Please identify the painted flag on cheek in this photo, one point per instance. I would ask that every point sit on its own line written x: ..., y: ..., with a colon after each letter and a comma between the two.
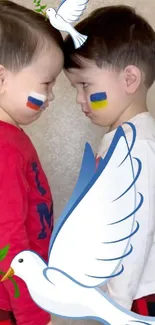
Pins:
x: 35, y: 101
x: 98, y: 100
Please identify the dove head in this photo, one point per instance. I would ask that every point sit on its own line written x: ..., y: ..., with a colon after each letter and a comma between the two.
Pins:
x: 50, y: 13
x: 25, y: 265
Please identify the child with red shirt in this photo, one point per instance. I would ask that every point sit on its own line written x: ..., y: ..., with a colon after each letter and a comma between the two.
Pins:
x: 28, y: 70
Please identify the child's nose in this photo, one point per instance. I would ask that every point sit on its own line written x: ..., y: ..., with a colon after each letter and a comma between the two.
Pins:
x: 80, y: 98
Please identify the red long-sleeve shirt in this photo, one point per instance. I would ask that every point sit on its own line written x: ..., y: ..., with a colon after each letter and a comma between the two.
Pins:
x: 26, y: 217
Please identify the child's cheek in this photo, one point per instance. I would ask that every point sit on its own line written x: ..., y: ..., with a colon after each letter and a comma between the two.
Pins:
x: 36, y: 101
x: 98, y: 101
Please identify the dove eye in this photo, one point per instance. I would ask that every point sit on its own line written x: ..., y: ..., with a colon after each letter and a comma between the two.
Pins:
x: 21, y: 260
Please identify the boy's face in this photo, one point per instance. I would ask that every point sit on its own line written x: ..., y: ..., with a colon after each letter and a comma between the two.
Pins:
x: 100, y: 92
x: 26, y: 94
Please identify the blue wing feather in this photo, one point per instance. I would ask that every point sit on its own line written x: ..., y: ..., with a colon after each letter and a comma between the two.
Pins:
x: 87, y: 171
x: 90, y: 177
x: 61, y: 3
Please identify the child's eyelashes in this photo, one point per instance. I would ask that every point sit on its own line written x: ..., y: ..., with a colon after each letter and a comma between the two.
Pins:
x: 48, y: 83
x: 85, y: 85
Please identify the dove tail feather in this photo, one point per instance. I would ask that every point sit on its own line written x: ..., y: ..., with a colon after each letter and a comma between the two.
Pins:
x: 78, y: 39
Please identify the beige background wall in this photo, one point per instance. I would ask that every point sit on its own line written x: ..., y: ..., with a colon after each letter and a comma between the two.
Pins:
x: 61, y: 133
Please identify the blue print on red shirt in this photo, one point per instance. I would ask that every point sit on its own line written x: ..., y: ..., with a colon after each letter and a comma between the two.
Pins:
x: 45, y: 218
x: 39, y: 187
x: 45, y: 214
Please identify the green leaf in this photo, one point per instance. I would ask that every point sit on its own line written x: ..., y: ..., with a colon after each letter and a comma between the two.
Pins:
x: 3, y: 252
x: 38, y: 10
x: 37, y: 5
x: 34, y: 1
x: 17, y: 293
x: 43, y: 7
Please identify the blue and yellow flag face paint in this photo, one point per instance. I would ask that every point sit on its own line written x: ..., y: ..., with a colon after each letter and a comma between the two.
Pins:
x: 98, y: 100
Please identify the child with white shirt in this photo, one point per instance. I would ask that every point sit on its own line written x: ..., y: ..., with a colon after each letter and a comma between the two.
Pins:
x: 112, y: 72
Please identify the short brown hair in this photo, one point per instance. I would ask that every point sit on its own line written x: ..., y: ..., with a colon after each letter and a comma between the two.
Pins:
x: 117, y: 36
x: 23, y: 32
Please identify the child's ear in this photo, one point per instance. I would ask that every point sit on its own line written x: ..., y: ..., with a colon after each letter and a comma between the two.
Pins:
x: 2, y: 79
x: 132, y: 78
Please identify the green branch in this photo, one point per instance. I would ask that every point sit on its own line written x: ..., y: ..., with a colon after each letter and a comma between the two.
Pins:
x: 39, y: 7
x: 17, y: 294
x: 3, y: 254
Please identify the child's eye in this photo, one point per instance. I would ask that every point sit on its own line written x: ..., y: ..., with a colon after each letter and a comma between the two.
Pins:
x: 85, y: 85
x: 47, y: 83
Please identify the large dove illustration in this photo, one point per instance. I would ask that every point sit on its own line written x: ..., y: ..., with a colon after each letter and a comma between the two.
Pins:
x: 90, y: 241
x: 68, y: 12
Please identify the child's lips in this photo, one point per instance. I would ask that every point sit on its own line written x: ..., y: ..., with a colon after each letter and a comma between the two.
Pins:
x: 45, y: 105
x: 88, y: 114
x: 86, y: 111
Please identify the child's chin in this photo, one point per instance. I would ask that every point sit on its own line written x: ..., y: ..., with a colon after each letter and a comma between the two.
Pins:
x: 30, y: 119
x: 36, y: 116
x: 97, y: 121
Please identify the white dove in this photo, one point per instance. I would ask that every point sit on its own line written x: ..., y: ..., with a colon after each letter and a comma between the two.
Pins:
x: 89, y: 241
x: 68, y: 12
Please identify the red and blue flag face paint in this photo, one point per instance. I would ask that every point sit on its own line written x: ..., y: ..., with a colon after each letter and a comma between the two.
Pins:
x: 36, y: 101
x: 98, y: 100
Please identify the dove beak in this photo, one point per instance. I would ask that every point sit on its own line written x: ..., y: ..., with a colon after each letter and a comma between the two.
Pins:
x: 8, y: 274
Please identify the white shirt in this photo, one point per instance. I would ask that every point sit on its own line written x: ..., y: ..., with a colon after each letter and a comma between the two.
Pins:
x: 138, y: 278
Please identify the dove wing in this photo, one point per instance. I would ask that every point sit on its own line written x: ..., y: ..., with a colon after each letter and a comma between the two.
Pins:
x: 71, y: 10
x: 93, y: 235
x: 87, y: 171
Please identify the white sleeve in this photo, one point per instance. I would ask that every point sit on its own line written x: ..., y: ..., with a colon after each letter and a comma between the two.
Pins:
x: 123, y: 288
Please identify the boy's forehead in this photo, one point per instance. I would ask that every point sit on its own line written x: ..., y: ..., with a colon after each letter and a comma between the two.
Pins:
x: 52, y: 56
x: 92, y: 72
x: 79, y: 73
x: 46, y: 62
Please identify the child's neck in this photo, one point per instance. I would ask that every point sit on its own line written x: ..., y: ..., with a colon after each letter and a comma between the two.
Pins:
x: 7, y: 118
x: 129, y: 113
